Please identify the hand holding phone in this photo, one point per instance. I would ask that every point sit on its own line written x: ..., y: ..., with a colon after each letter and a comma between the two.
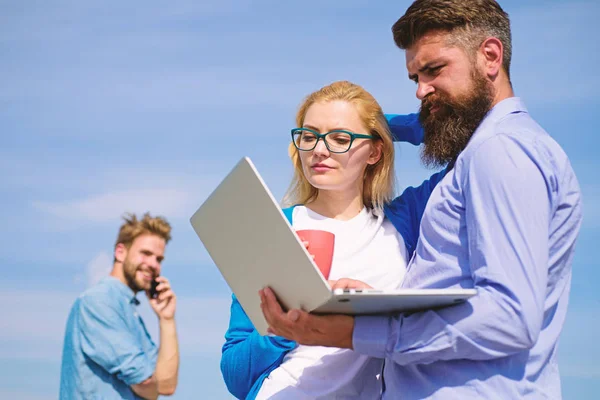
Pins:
x: 164, y: 298
x: 153, y: 291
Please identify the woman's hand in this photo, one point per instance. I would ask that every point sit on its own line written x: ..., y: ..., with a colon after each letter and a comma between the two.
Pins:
x: 347, y: 283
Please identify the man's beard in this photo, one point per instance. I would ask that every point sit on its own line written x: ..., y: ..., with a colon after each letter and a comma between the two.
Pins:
x: 448, y: 130
x: 130, y: 270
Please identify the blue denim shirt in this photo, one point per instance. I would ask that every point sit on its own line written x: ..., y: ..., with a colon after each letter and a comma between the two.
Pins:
x: 107, y: 347
x: 504, y: 221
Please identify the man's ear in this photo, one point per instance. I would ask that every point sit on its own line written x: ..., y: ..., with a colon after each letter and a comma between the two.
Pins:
x: 492, y: 52
x: 376, y: 152
x: 120, y: 252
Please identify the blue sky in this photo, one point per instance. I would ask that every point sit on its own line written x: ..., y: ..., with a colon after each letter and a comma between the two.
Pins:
x: 107, y: 107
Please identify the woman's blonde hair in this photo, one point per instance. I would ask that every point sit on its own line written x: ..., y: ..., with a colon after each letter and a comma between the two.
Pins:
x: 379, y: 179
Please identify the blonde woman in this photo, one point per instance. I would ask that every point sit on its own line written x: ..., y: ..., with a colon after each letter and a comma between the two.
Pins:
x: 343, y: 156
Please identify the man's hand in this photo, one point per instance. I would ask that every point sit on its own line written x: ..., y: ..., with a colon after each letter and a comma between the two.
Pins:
x: 304, y: 328
x: 346, y: 283
x: 164, y: 304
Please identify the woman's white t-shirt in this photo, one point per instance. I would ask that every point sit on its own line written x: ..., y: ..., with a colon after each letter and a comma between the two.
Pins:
x: 367, y: 248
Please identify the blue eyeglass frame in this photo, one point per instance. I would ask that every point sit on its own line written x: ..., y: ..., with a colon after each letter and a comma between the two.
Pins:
x: 320, y: 136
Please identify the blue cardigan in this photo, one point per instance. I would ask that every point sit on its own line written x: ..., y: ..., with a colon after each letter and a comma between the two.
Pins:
x: 247, y: 357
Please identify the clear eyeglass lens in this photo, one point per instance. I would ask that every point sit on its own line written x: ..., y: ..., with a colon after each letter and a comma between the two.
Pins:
x: 336, y: 141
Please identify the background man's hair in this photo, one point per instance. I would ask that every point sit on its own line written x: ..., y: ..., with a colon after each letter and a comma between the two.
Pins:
x: 469, y: 21
x: 134, y: 227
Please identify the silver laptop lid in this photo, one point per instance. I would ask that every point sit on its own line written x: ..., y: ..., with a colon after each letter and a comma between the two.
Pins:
x: 250, y: 240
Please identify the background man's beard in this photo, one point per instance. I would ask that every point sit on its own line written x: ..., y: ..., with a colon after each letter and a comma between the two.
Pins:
x: 449, y: 129
x: 130, y: 271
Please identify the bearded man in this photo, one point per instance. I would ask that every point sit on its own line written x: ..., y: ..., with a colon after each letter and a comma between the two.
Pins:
x: 503, y: 219
x: 107, y: 353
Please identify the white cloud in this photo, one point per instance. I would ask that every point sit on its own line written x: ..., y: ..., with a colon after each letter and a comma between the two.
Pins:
x: 98, y: 268
x: 35, y: 315
x: 175, y: 197
x: 103, y: 200
x: 174, y: 203
x: 174, y: 191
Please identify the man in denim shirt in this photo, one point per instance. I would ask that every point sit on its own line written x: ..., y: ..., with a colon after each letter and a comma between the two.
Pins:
x: 108, y: 353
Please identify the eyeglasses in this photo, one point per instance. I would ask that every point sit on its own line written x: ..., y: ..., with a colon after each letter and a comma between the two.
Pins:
x: 338, y: 141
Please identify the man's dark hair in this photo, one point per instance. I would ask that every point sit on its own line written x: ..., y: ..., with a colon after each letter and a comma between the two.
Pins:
x: 469, y: 21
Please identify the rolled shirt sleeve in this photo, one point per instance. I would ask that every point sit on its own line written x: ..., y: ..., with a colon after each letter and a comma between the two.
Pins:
x: 107, y: 340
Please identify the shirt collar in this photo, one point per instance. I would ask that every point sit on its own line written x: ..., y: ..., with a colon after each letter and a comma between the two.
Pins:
x: 507, y: 106
x: 511, y: 105
x: 123, y: 289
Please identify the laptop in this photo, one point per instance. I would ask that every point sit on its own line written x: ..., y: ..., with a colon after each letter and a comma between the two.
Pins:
x: 252, y: 243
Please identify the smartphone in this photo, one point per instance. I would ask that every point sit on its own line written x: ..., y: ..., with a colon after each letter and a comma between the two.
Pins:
x: 153, y: 291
